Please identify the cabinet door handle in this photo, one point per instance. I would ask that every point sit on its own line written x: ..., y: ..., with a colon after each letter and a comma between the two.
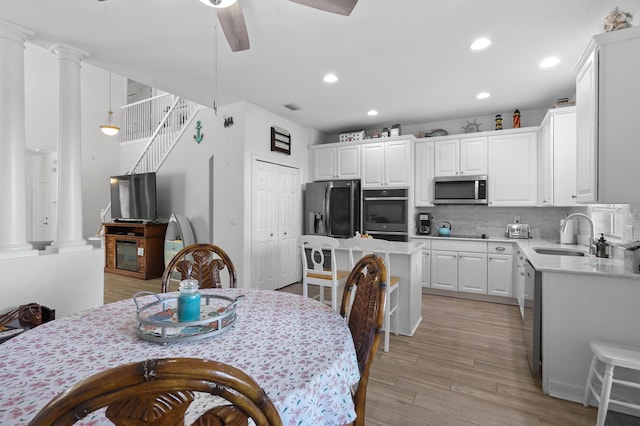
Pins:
x: 500, y: 249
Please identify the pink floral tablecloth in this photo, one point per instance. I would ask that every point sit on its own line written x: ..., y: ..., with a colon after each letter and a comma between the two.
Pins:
x: 298, y: 350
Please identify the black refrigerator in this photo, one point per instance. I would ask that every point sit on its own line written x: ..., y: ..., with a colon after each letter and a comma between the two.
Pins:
x: 332, y: 208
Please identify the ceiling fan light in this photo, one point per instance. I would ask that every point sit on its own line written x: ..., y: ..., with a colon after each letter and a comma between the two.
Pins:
x: 218, y: 3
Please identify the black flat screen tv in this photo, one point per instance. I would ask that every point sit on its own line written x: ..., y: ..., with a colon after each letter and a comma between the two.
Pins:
x: 133, y: 197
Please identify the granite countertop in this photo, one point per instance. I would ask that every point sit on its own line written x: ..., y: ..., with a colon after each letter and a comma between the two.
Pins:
x: 400, y: 247
x: 587, y: 265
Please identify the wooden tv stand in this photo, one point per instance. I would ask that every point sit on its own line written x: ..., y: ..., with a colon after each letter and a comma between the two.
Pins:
x: 134, y: 249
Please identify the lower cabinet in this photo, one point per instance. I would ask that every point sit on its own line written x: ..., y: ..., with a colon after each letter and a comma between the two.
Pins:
x: 500, y: 275
x: 459, y: 265
x: 469, y: 266
x: 472, y: 272
x: 426, y: 268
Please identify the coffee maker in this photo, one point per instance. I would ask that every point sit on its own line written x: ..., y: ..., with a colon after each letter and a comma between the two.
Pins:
x: 424, y: 223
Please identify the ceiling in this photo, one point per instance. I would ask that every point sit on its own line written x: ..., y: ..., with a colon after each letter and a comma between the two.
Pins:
x: 408, y: 59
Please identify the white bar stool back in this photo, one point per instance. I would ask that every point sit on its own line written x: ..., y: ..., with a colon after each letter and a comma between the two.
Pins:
x: 612, y: 356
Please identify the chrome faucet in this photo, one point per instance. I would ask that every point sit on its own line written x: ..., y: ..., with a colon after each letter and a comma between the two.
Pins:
x: 592, y: 247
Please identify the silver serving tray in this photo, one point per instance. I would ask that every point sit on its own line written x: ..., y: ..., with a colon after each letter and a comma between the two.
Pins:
x: 158, y: 320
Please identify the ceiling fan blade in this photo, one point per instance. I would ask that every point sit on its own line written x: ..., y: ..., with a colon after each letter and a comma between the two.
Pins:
x: 234, y: 28
x: 341, y: 7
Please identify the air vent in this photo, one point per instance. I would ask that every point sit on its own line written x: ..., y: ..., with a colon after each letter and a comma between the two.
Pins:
x: 292, y: 107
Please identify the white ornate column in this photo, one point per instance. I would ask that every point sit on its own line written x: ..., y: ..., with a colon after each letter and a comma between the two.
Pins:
x: 13, y: 191
x: 69, y: 153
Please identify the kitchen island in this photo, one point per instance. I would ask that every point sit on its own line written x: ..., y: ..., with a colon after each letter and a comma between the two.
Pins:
x: 406, y: 264
x: 584, y: 298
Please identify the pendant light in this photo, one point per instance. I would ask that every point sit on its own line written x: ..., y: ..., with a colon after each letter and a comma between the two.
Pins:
x: 110, y: 128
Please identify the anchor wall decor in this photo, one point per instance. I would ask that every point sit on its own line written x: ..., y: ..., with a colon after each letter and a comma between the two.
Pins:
x: 198, y: 136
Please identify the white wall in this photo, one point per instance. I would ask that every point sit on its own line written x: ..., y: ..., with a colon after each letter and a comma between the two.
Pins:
x: 185, y: 185
x: 69, y: 282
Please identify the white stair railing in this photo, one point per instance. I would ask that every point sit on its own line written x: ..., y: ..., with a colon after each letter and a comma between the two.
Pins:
x: 170, y: 114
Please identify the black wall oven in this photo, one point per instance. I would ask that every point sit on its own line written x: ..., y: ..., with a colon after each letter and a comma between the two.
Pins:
x: 385, y: 214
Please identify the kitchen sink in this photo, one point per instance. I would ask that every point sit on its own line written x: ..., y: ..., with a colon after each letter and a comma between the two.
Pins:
x: 558, y: 251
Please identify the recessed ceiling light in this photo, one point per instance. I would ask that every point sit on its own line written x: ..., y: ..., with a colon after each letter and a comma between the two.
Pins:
x: 330, y: 78
x: 549, y: 62
x: 483, y: 95
x: 481, y: 43
x: 372, y: 112
x: 219, y: 3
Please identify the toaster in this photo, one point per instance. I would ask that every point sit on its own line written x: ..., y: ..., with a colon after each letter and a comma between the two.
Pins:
x: 518, y: 230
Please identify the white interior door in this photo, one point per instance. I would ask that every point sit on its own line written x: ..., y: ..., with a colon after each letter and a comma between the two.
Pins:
x: 289, y: 213
x: 42, y: 225
x: 276, y: 225
x: 265, y: 226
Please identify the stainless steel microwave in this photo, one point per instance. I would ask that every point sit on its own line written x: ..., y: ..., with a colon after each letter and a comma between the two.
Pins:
x: 460, y: 190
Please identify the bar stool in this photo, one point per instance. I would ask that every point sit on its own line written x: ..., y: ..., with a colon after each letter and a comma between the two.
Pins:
x: 611, y: 355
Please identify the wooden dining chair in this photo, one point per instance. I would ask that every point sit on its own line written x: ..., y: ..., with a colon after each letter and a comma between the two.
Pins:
x: 202, y: 262
x: 382, y: 248
x: 319, y: 270
x: 364, y: 313
x: 159, y: 391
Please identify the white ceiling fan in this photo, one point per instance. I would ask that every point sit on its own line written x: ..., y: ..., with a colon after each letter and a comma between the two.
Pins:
x: 235, y: 29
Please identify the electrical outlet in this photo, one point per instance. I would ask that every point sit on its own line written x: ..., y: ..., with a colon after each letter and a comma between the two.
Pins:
x: 516, y: 219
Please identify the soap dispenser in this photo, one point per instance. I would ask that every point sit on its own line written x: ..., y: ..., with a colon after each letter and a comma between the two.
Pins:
x: 602, y: 247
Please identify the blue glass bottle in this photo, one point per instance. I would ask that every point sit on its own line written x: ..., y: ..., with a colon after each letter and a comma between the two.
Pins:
x: 188, y: 301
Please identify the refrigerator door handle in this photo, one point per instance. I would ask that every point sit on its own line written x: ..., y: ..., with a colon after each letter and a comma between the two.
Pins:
x: 327, y: 209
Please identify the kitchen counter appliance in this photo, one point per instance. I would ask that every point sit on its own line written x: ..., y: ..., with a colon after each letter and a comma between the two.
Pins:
x: 424, y: 224
x: 518, y: 230
x: 385, y: 213
x: 460, y: 190
x: 332, y: 208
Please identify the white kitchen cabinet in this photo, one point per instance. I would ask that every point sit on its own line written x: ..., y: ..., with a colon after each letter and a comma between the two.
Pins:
x: 606, y: 114
x: 513, y: 169
x: 465, y: 156
x: 557, y: 158
x: 426, y: 268
x: 500, y: 269
x: 472, y: 272
x: 423, y: 181
x: 500, y: 275
x: 336, y: 162
x: 459, y: 265
x: 386, y: 164
x: 444, y: 270
x: 426, y: 260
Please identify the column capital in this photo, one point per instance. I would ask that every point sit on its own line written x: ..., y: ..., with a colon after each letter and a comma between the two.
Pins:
x: 14, y: 32
x: 68, y: 52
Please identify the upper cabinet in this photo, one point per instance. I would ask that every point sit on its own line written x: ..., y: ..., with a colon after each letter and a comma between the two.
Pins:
x: 606, y: 114
x: 557, y: 158
x: 465, y: 156
x: 330, y: 163
x: 386, y: 164
x: 513, y: 169
x: 423, y: 187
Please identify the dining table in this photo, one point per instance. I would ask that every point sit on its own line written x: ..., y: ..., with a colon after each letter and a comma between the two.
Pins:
x: 297, y: 349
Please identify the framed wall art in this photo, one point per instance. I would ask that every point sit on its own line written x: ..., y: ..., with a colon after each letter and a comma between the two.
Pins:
x: 280, y: 140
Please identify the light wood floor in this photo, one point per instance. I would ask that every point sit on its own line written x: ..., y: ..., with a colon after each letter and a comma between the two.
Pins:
x: 465, y: 365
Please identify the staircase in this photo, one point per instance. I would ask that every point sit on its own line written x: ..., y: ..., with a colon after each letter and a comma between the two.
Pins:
x: 163, y: 119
